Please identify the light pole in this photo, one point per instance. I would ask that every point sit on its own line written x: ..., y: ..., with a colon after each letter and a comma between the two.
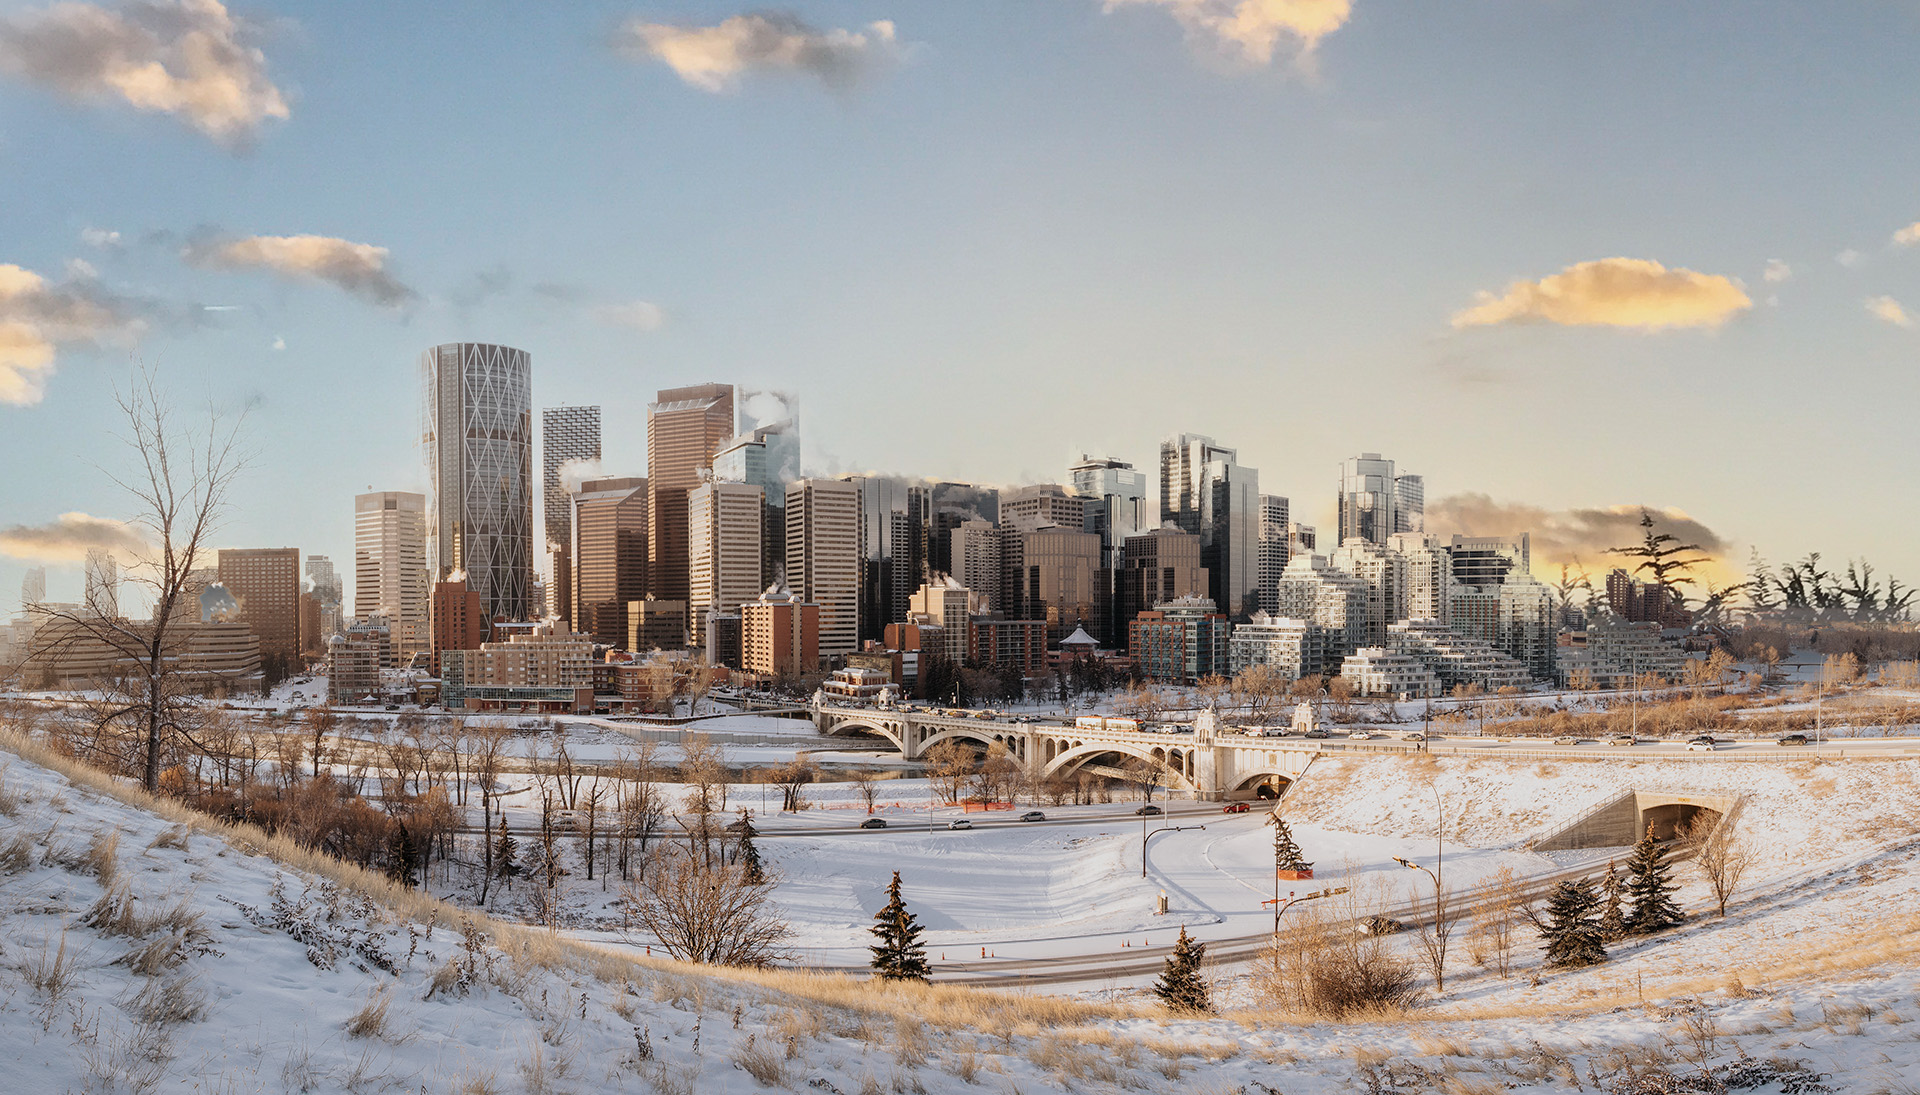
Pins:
x: 1280, y: 906
x: 1146, y: 836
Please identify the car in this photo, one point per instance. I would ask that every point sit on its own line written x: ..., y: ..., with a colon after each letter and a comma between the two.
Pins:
x: 1566, y: 740
x: 1235, y: 808
x: 960, y: 823
x: 1381, y: 925
x: 874, y: 823
x: 1033, y: 815
x: 1793, y: 739
x: 1149, y: 810
x: 1413, y: 735
x: 1622, y: 739
x: 1698, y: 745
x: 1316, y: 734
x: 1361, y: 735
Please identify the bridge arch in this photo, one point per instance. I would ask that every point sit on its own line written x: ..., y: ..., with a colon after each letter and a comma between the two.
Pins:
x: 983, y: 738
x: 847, y: 727
x: 1265, y: 783
x: 1179, y: 767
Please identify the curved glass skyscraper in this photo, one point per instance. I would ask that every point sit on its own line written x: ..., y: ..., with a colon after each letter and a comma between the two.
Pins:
x: 477, y: 437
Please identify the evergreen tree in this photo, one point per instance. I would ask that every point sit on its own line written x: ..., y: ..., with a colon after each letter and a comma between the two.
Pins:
x: 1649, y: 890
x: 401, y: 859
x: 1286, y: 854
x: 1572, y: 930
x: 1180, y: 986
x: 503, y: 852
x: 899, y: 955
x: 1613, y: 926
x: 748, y: 854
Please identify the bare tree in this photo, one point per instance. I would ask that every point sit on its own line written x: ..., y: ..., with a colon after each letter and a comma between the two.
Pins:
x: 319, y: 722
x: 1436, y: 916
x: 1719, y: 855
x: 1494, y: 924
x: 792, y: 778
x: 179, y: 487
x: 949, y: 765
x: 1145, y: 775
x: 713, y: 916
x: 867, y: 782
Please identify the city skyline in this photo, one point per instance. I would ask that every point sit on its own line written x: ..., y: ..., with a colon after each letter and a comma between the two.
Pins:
x: 1312, y: 224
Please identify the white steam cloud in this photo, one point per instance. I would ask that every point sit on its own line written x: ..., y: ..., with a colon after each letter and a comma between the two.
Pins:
x: 1254, y: 29
x: 713, y: 58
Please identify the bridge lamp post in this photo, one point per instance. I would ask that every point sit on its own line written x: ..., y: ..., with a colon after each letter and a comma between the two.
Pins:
x: 1146, y: 836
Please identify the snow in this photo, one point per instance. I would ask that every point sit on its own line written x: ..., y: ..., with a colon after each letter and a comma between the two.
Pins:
x: 280, y: 982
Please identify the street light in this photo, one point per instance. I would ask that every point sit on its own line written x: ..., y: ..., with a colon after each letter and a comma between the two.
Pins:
x: 1146, y: 836
x: 1280, y: 906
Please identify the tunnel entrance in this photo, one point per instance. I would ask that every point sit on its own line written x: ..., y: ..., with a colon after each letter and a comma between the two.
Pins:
x: 1671, y: 819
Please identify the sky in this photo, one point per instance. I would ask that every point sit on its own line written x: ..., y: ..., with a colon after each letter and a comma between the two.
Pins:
x: 1564, y: 258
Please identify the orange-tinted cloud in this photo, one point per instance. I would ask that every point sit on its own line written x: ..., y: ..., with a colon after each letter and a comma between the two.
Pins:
x: 1583, y: 535
x: 1613, y: 292
x: 1255, y: 28
x: 358, y: 268
x: 68, y: 539
x: 713, y: 58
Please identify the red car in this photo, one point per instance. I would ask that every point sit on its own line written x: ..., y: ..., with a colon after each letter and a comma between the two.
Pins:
x: 1235, y: 808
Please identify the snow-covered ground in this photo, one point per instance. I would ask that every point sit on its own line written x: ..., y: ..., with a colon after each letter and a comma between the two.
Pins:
x: 235, y: 972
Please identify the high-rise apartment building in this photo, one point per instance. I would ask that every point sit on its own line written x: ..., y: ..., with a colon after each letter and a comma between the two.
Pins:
x: 390, y: 566
x: 1429, y: 575
x: 765, y: 453
x: 1318, y: 593
x: 1180, y: 641
x: 478, y: 439
x: 685, y: 428
x: 1118, y: 502
x: 1056, y: 576
x: 103, y: 584
x: 948, y: 606
x: 1487, y: 560
x: 1206, y: 491
x: 266, y: 582
x: 779, y: 634
x: 1276, y: 541
x: 1385, y: 572
x: 608, y: 531
x: 723, y: 547
x: 823, y: 557
x: 459, y: 621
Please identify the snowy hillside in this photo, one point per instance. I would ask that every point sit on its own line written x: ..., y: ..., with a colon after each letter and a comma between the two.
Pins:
x: 142, y: 949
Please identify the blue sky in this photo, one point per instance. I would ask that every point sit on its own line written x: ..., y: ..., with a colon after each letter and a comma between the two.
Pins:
x: 1030, y: 229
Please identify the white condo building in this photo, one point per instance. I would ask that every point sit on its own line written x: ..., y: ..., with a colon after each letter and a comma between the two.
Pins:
x: 390, y: 566
x: 723, y: 551
x: 823, y: 557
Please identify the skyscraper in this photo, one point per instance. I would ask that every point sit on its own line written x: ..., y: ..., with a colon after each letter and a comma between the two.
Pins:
x: 1429, y: 575
x: 478, y: 439
x: 723, y: 549
x: 1367, y: 497
x: 103, y: 584
x: 328, y: 592
x: 568, y: 435
x: 1276, y: 537
x: 609, y: 553
x: 1205, y: 490
x: 1117, y: 502
x: 766, y: 453
x: 390, y: 566
x: 33, y: 587
x: 685, y: 428
x: 823, y: 557
x: 1409, y: 503
x: 893, y: 548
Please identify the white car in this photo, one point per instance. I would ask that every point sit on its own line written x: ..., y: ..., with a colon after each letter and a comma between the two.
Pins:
x: 1700, y: 745
x: 961, y: 823
x: 1361, y: 735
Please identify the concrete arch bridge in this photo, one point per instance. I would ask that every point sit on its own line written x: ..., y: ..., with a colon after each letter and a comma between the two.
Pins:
x: 1205, y: 763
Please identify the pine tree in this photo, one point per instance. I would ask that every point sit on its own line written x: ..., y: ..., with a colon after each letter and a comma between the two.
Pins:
x: 749, y: 854
x: 1613, y: 926
x: 1649, y: 890
x: 1286, y: 854
x: 1572, y: 931
x: 899, y: 955
x: 1180, y: 986
x: 503, y: 852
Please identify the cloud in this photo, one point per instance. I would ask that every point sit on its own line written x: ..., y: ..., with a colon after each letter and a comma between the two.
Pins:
x: 188, y: 58
x: 713, y: 58
x: 1613, y: 292
x: 102, y: 238
x: 1908, y: 236
x: 1849, y: 258
x: 68, y: 539
x: 358, y: 268
x: 1564, y: 536
x: 279, y: 343
x: 1889, y: 309
x: 36, y: 316
x: 636, y: 315
x: 1776, y: 272
x: 1254, y: 28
